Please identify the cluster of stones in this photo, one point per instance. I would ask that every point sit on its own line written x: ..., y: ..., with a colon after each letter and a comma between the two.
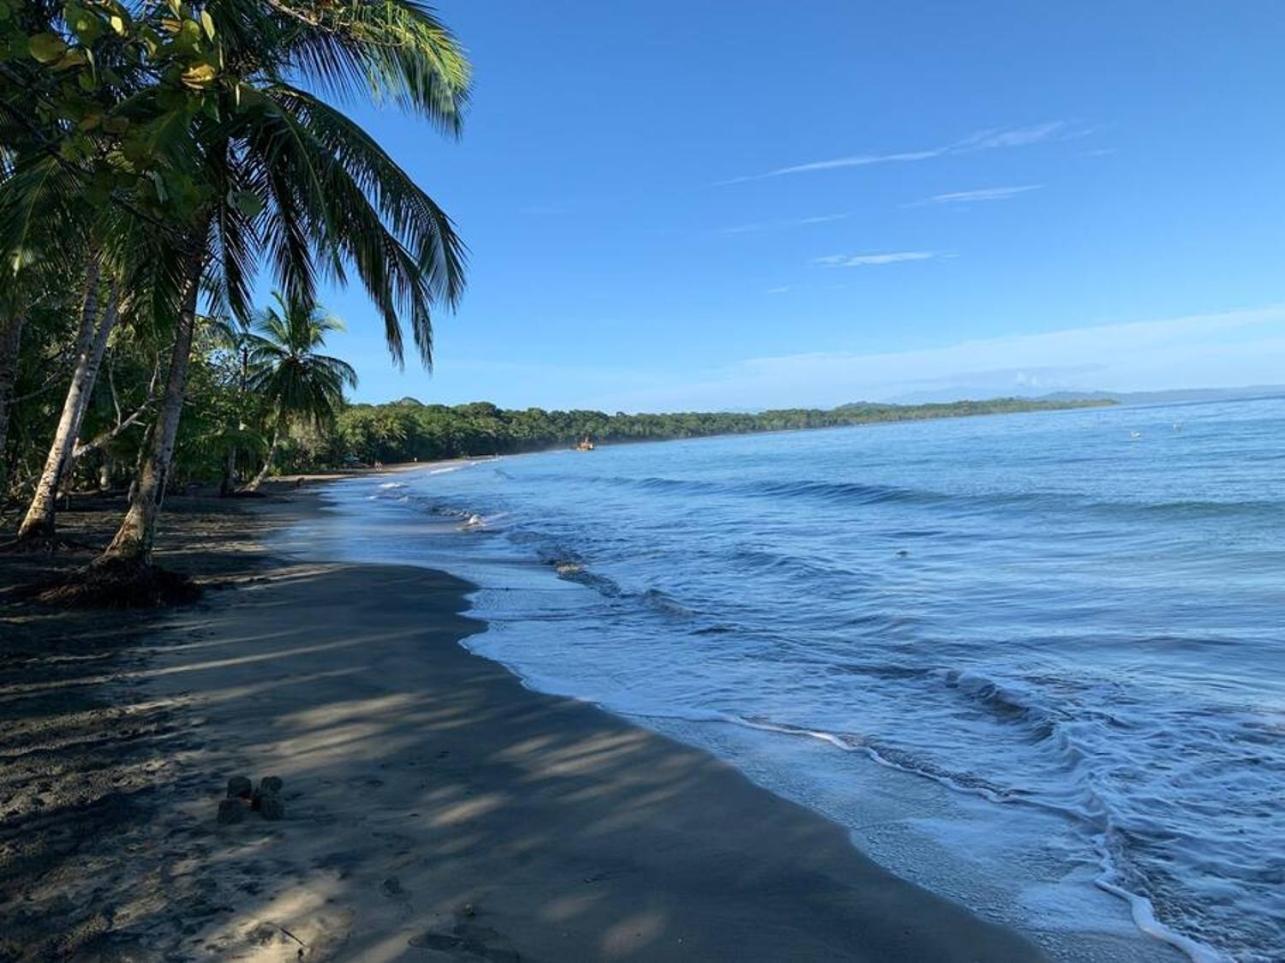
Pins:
x: 242, y: 797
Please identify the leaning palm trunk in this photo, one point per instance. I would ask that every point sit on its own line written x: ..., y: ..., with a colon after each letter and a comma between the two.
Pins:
x: 257, y: 480
x: 94, y: 331
x: 134, y: 538
x: 10, y: 343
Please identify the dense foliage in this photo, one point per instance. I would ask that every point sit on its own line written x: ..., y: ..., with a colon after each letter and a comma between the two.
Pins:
x: 157, y: 157
x: 241, y: 416
x: 407, y: 430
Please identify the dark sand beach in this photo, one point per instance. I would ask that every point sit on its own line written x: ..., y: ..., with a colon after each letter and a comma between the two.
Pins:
x: 435, y: 808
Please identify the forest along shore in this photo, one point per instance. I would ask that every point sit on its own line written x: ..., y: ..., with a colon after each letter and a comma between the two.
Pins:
x: 431, y: 802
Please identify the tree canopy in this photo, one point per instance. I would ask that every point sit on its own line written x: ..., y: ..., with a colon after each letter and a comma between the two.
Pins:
x: 161, y: 157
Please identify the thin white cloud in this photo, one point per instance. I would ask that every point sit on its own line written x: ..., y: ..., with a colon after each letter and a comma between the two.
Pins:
x: 1241, y: 347
x: 822, y: 219
x: 1012, y: 137
x: 982, y: 140
x: 868, y: 260
x: 1232, y: 348
x: 780, y: 225
x: 781, y: 290
x: 979, y: 196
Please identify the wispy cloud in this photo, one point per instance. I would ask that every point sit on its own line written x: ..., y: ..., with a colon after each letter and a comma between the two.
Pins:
x: 1012, y: 137
x: 978, y: 196
x: 1232, y: 348
x: 784, y: 288
x: 982, y: 140
x: 868, y: 260
x: 781, y: 225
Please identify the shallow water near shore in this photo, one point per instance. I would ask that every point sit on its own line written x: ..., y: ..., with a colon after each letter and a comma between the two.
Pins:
x: 1034, y: 662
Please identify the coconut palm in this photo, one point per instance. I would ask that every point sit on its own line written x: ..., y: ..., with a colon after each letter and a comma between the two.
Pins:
x: 298, y: 385
x: 221, y: 142
x: 284, y: 173
x: 95, y: 327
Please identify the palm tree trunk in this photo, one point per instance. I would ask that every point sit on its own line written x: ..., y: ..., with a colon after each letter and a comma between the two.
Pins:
x: 228, y: 483
x: 137, y: 532
x: 257, y: 480
x: 10, y: 343
x: 94, y: 331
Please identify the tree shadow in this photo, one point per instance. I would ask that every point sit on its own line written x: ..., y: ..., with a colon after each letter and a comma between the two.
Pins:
x: 435, y: 808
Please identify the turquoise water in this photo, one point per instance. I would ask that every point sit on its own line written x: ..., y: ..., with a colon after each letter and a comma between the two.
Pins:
x: 1073, y: 620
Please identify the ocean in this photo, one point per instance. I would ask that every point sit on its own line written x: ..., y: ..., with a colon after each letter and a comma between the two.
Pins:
x: 1035, y: 662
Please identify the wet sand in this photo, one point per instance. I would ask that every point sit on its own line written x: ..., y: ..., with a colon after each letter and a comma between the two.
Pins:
x: 435, y: 808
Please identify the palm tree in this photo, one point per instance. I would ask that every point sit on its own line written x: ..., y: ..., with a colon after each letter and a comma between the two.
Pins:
x: 95, y: 327
x: 299, y: 385
x: 37, y: 261
x: 219, y: 143
x: 287, y: 174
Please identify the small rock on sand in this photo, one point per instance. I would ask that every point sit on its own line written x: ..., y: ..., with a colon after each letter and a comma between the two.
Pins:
x: 271, y: 806
x: 231, y: 811
x: 239, y: 787
x: 272, y: 784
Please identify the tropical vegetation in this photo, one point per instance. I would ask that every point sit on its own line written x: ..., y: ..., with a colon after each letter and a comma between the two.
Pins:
x: 408, y: 430
x: 156, y: 160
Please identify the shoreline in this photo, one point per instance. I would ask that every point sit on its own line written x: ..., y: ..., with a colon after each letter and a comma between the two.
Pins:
x: 438, y: 808
x: 1070, y: 917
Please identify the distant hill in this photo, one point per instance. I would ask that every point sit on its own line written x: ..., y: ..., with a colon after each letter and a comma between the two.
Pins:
x: 1173, y: 396
x: 1168, y: 397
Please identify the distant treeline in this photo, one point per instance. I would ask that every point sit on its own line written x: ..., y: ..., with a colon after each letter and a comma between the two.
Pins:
x: 407, y: 430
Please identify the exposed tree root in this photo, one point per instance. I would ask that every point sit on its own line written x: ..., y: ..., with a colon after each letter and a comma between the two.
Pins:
x: 111, y: 583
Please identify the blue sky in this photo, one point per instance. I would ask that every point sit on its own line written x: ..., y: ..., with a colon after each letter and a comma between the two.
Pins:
x: 746, y: 204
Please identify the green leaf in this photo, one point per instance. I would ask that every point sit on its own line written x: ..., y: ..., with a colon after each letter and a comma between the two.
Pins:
x: 159, y: 183
x: 137, y: 151
x: 46, y: 47
x: 72, y: 58
x: 208, y: 23
x: 247, y: 202
x: 201, y: 75
x: 83, y: 24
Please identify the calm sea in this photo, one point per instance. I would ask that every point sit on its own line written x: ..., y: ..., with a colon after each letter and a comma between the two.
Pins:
x: 1034, y: 662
